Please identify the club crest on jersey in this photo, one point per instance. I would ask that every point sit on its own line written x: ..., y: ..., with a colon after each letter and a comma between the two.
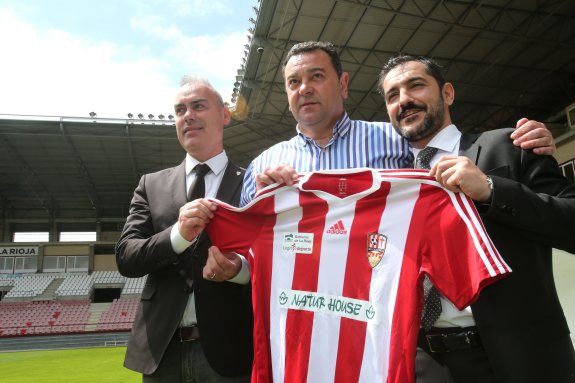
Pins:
x: 376, y: 244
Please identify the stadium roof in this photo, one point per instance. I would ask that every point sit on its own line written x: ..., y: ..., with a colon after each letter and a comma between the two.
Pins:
x: 507, y: 59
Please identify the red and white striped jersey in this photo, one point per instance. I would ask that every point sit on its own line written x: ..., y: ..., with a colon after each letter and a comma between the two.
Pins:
x: 337, y: 262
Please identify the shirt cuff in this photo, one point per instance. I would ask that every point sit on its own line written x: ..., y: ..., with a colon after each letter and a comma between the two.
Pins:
x: 243, y: 277
x: 179, y: 243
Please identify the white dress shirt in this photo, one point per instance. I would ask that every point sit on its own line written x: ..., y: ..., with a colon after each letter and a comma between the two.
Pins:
x: 213, y: 179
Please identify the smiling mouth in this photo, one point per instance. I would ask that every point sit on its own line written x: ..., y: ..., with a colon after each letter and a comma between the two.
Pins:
x: 409, y: 115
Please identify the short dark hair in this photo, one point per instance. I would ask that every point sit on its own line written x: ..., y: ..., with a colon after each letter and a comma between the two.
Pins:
x: 431, y: 67
x: 310, y: 46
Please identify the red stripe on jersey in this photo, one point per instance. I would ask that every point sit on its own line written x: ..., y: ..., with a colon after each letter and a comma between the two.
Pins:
x: 299, y: 323
x: 358, y: 272
x: 261, y: 277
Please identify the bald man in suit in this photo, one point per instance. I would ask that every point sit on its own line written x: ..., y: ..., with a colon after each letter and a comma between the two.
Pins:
x: 190, y: 326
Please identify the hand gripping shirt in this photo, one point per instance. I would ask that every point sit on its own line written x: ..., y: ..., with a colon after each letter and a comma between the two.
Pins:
x: 337, y: 262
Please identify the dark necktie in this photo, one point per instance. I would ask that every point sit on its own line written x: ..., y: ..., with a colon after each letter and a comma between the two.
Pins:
x: 431, y: 301
x: 198, y: 189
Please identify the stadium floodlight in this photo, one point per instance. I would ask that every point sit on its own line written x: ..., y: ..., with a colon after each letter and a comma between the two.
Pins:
x: 151, y: 116
x: 170, y: 117
x: 161, y: 116
x: 130, y: 115
x: 140, y: 116
x: 93, y: 114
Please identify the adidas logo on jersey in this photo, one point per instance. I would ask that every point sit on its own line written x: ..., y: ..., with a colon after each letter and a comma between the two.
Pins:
x: 338, y: 228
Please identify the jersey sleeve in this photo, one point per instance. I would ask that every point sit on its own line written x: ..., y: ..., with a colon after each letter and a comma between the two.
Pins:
x: 458, y: 255
x: 235, y: 229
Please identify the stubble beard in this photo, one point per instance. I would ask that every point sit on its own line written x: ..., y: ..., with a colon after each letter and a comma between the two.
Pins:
x: 429, y: 126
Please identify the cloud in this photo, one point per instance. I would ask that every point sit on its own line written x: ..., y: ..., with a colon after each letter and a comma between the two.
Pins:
x: 54, y: 72
x: 184, y: 8
x: 215, y: 57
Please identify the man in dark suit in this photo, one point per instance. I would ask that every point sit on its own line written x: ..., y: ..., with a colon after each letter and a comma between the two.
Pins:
x: 516, y: 330
x: 187, y: 327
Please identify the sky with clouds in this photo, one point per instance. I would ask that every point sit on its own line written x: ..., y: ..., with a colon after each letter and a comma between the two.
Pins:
x: 113, y: 57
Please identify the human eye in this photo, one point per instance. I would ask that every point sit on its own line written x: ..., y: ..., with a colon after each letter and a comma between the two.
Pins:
x: 179, y: 110
x: 292, y: 83
x: 317, y: 76
x: 200, y: 106
x: 390, y: 97
x: 417, y: 85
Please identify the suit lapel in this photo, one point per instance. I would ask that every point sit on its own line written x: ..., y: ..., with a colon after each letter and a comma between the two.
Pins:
x: 231, y: 184
x: 177, y: 180
x: 466, y: 147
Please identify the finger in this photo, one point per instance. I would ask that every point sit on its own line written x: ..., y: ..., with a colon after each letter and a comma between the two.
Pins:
x: 281, y: 174
x: 547, y: 150
x: 264, y: 180
x: 521, y: 122
x: 197, y: 211
x: 530, y: 130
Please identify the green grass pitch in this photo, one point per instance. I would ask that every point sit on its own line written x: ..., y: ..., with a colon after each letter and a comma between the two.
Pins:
x: 86, y: 365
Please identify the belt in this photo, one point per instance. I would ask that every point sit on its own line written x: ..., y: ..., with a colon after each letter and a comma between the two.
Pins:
x: 187, y: 334
x: 438, y: 340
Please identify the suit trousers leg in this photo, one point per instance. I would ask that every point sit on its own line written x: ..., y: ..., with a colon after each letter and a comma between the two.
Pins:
x: 184, y: 362
x: 170, y: 368
x: 462, y: 366
x: 197, y: 369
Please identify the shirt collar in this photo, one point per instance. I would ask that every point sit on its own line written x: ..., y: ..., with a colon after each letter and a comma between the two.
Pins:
x: 340, y: 129
x: 446, y: 140
x: 217, y: 163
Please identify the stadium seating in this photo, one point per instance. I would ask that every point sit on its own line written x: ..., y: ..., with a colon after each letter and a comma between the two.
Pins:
x: 75, y: 285
x: 119, y: 316
x: 29, y: 308
x: 43, y: 317
x: 30, y: 285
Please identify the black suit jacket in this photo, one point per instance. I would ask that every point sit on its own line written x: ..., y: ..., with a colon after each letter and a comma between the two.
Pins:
x: 223, y: 310
x: 520, y: 319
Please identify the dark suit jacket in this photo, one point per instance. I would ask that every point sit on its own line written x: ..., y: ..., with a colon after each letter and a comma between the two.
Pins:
x: 520, y: 319
x: 223, y: 310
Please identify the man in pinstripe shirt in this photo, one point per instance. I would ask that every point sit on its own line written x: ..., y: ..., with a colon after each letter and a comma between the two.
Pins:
x: 327, y: 138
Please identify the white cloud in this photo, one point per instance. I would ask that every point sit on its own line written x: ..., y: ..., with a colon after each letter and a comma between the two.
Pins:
x: 197, y: 8
x: 215, y: 57
x: 58, y: 74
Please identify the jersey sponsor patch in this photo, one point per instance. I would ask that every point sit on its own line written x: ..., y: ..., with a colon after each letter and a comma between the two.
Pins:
x: 297, y: 243
x: 376, y: 244
x: 351, y: 308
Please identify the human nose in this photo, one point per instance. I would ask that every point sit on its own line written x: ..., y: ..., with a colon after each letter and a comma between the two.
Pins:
x: 190, y: 114
x: 305, y: 88
x: 404, y: 98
